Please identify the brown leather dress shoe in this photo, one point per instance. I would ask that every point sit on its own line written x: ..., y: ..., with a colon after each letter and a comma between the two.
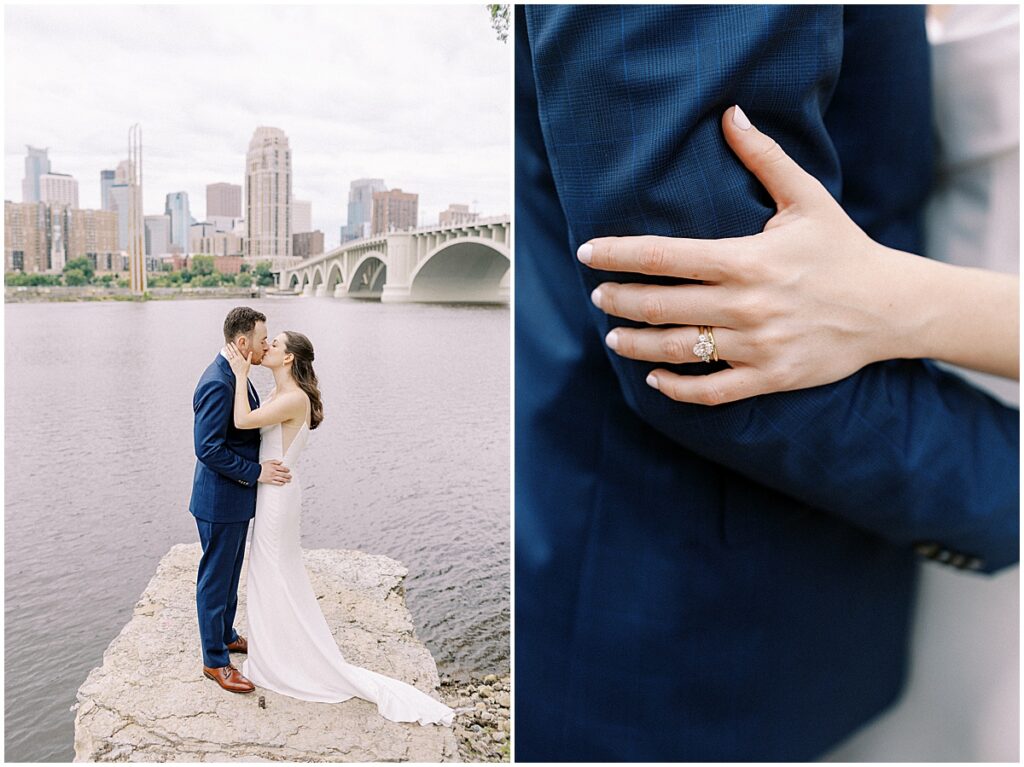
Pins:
x: 239, y: 645
x: 230, y: 678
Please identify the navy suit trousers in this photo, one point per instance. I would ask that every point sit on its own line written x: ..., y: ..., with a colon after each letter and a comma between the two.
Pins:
x: 217, y: 586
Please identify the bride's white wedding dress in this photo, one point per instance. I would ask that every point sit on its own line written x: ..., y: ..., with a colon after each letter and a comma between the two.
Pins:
x: 291, y: 649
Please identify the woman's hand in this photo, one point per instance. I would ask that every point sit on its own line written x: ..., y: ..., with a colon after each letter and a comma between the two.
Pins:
x: 239, y: 365
x: 810, y: 300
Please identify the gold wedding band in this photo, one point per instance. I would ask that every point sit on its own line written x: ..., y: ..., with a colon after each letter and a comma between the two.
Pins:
x: 705, y: 347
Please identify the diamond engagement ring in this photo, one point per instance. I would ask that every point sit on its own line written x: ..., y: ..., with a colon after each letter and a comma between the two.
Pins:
x: 705, y: 346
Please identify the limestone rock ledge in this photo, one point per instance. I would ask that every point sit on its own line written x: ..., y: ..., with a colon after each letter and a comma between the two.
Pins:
x: 149, y: 701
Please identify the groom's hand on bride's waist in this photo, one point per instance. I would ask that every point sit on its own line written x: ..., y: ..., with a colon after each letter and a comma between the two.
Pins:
x: 274, y: 473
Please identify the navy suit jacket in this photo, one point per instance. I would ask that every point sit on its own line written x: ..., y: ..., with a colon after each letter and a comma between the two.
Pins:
x: 736, y: 582
x: 227, y: 469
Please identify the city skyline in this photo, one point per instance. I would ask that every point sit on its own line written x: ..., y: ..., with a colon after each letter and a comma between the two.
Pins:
x: 408, y: 110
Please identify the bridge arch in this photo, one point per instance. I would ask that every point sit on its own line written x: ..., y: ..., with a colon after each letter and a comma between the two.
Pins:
x: 334, y: 277
x: 464, y: 269
x: 368, y: 276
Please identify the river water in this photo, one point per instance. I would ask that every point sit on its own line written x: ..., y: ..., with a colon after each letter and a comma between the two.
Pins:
x: 411, y: 461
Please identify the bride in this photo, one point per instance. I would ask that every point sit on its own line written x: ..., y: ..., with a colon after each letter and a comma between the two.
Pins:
x: 291, y: 650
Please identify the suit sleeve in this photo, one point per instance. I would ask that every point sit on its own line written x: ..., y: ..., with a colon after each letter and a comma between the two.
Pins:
x: 629, y: 99
x: 213, y: 405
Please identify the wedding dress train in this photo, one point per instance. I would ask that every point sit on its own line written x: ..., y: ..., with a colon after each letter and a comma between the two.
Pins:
x: 291, y: 649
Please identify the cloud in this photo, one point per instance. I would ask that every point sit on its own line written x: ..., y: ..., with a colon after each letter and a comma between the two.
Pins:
x: 416, y: 95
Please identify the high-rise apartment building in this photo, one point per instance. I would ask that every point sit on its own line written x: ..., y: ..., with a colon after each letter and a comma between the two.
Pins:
x: 106, y: 181
x: 457, y: 214
x: 176, y: 207
x: 37, y: 162
x: 360, y: 207
x: 43, y: 237
x: 223, y: 199
x: 302, y: 216
x: 92, y: 234
x: 24, y: 238
x: 394, y: 210
x: 58, y: 188
x: 268, y: 193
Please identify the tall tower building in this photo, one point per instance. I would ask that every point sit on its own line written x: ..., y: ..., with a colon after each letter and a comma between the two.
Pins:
x: 302, y: 216
x: 394, y: 210
x: 37, y: 162
x: 124, y: 172
x: 268, y: 194
x: 158, y: 235
x: 223, y: 199
x: 60, y: 188
x: 106, y: 181
x: 120, y: 203
x: 360, y: 207
x: 176, y: 207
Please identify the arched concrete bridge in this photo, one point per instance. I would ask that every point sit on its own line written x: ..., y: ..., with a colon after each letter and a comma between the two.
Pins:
x: 454, y: 263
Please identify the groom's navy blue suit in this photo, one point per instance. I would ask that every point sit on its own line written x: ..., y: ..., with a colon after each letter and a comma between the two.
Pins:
x: 223, y: 502
x: 728, y: 583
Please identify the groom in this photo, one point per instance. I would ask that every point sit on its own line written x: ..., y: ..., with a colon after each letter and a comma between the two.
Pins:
x: 224, y: 496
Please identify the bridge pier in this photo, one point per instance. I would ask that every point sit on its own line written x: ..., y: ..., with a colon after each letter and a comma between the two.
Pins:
x: 340, y: 291
x: 395, y: 294
x: 307, y: 291
x: 321, y: 291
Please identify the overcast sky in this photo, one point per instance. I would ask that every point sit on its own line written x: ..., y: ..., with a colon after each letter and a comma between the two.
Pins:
x: 416, y: 95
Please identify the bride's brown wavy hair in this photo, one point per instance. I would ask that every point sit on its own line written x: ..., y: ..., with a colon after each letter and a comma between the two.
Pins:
x: 302, y: 371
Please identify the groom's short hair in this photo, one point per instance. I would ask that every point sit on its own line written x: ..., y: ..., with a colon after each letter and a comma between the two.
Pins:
x: 241, y: 321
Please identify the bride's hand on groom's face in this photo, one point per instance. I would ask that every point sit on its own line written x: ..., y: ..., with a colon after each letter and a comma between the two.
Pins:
x: 239, y: 365
x: 810, y: 300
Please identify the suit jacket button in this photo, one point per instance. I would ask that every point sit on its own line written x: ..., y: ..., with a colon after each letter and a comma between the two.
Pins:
x: 944, y: 555
x: 958, y: 560
x: 927, y: 549
x: 974, y: 563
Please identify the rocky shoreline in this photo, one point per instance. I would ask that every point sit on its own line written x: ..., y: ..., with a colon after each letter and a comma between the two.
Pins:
x: 482, y: 719
x: 148, y: 702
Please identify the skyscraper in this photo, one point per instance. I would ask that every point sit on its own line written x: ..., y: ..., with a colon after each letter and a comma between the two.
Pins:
x: 181, y: 220
x: 223, y: 199
x: 158, y: 235
x: 302, y: 216
x: 120, y: 203
x: 37, y: 162
x: 268, y: 193
x: 360, y: 207
x: 60, y: 188
x: 394, y: 210
x: 106, y: 181
x: 123, y: 172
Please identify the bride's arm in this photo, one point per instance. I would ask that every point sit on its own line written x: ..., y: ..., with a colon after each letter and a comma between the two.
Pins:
x: 810, y: 300
x: 278, y: 410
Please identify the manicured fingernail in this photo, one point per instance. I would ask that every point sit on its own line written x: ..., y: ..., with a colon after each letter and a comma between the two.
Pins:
x: 585, y: 252
x: 612, y: 339
x: 596, y: 297
x: 739, y: 119
x: 652, y: 381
